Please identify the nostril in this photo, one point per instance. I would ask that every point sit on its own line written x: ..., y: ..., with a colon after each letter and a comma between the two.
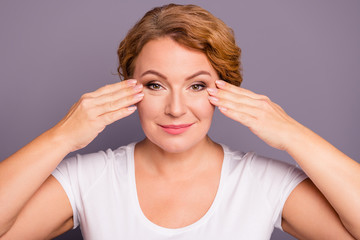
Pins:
x: 176, y: 106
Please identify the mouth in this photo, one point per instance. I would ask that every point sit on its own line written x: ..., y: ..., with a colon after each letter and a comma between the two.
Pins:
x: 176, y: 129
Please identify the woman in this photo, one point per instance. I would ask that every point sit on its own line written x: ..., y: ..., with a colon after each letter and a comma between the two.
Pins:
x: 177, y: 183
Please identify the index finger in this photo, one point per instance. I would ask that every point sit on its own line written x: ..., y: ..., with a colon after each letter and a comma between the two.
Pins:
x: 237, y: 90
x: 114, y: 87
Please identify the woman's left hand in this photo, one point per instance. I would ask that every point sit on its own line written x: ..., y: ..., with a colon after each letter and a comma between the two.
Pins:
x: 263, y: 117
x: 332, y: 172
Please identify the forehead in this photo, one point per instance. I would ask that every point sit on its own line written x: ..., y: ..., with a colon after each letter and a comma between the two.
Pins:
x: 169, y: 57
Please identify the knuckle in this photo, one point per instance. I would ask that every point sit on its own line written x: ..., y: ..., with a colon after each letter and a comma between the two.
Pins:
x: 85, y: 102
x: 219, y: 93
x: 110, y: 106
x: 85, y: 96
x: 265, y: 103
x: 104, y: 88
x: 235, y: 106
x: 109, y: 97
x: 221, y: 102
x: 113, y: 95
x: 229, y: 105
x: 264, y: 97
x: 130, y: 99
x: 113, y: 116
x: 244, y: 119
x: 130, y: 90
x: 107, y: 86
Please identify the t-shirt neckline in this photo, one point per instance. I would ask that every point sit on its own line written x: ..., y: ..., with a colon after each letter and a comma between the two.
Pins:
x: 139, y: 213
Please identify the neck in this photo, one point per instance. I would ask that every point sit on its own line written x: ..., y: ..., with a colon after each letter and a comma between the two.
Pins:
x: 187, y: 163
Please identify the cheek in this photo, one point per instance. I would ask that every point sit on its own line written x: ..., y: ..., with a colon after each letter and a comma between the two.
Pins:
x: 149, y: 107
x: 152, y: 107
x: 201, y: 107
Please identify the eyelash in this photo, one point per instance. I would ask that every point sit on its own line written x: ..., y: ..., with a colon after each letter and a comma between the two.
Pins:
x: 156, y: 86
x: 202, y: 86
x: 151, y: 85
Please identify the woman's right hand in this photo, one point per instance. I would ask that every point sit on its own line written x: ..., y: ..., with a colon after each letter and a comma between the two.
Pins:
x: 95, y: 110
x: 35, y: 199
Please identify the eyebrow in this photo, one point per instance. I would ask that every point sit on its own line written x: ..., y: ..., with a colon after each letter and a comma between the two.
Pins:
x: 202, y: 72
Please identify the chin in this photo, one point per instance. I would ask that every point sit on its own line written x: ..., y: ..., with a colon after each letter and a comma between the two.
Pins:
x: 176, y: 144
x: 176, y: 149
x: 173, y: 146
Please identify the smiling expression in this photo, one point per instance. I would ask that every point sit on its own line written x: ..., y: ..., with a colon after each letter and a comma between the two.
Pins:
x: 175, y: 112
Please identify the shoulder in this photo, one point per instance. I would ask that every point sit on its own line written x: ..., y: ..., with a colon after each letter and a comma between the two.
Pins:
x: 91, y: 164
x: 268, y: 173
x: 265, y: 167
x: 268, y: 178
x: 89, y: 167
x: 257, y: 165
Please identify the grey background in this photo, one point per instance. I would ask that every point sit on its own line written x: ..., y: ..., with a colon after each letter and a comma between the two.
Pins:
x: 304, y: 55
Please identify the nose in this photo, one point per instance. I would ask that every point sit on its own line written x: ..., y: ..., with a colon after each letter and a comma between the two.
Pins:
x: 175, y: 105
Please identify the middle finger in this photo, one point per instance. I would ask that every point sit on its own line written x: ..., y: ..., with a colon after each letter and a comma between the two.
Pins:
x: 120, y: 94
x: 226, y: 96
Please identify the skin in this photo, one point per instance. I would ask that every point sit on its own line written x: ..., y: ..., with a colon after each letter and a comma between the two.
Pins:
x: 327, y: 205
x: 178, y: 176
x: 40, y: 209
x: 174, y: 94
x: 324, y: 207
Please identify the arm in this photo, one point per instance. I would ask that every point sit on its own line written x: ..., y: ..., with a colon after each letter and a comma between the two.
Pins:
x: 333, y: 173
x: 336, y: 176
x: 23, y: 173
x: 47, y: 214
x: 316, y: 219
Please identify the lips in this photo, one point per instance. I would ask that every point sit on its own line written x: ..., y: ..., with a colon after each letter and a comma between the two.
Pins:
x: 176, y: 129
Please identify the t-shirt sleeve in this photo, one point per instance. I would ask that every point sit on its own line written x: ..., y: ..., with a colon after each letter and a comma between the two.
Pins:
x: 278, y: 180
x: 76, y: 175
x: 62, y: 173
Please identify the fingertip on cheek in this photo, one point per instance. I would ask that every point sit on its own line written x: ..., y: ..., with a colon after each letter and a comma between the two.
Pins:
x: 213, y: 99
x: 220, y: 83
x: 212, y: 91
x: 138, y: 87
x: 131, y: 82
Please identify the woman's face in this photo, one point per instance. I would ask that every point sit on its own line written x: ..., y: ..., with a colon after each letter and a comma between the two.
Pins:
x: 175, y: 112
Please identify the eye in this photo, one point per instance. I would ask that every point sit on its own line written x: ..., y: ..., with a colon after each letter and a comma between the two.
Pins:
x: 198, y: 87
x: 153, y: 86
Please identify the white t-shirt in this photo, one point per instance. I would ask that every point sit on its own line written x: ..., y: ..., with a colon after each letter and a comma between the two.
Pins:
x: 248, y: 204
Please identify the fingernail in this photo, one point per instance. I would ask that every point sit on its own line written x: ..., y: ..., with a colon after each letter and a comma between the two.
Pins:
x: 131, y: 82
x: 212, y: 90
x: 139, y: 95
x: 214, y: 99
x: 132, y: 108
x: 220, y: 82
x: 223, y: 109
x: 138, y: 87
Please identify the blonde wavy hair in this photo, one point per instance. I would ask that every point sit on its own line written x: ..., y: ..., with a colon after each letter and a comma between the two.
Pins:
x: 188, y: 25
